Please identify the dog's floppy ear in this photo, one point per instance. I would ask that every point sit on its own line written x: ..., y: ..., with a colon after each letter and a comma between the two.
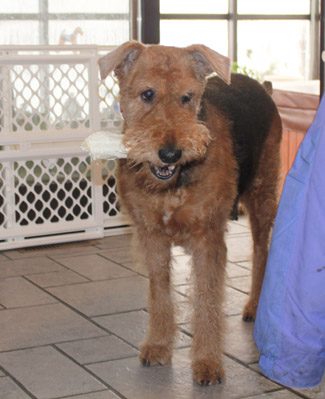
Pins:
x: 120, y: 60
x: 207, y: 61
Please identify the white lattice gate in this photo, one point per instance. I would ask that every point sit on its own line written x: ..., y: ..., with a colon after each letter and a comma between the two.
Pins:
x: 51, y: 98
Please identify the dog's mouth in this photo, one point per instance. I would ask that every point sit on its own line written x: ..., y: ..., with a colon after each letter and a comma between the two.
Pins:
x: 163, y: 172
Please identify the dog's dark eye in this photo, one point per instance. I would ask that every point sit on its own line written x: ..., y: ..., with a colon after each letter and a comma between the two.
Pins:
x: 186, y: 98
x: 148, y: 95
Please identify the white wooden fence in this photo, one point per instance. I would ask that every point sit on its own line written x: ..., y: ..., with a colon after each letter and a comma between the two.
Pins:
x: 51, y: 99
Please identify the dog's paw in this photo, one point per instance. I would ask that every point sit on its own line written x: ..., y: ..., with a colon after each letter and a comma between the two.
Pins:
x: 207, y: 372
x: 151, y: 354
x: 249, y: 312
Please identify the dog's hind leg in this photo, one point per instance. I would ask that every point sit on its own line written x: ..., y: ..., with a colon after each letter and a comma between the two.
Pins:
x: 261, y: 203
x: 155, y: 251
x: 261, y: 215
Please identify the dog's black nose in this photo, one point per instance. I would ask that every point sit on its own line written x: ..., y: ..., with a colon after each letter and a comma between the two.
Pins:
x: 169, y: 154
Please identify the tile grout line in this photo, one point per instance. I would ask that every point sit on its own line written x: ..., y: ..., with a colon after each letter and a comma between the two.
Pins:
x: 77, y: 395
x: 110, y: 360
x: 122, y: 265
x: 259, y: 373
x: 68, y: 269
x: 49, y: 344
x: 89, y: 372
x: 237, y: 289
x: 100, y: 254
x: 85, y: 317
x: 18, y: 383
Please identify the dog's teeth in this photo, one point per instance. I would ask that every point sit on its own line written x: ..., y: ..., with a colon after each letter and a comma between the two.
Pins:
x: 164, y: 172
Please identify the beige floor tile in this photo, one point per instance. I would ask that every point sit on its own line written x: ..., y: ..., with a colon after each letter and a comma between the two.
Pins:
x: 3, y: 258
x: 105, y: 297
x: 97, y: 349
x: 181, y: 270
x: 185, y: 289
x: 183, y: 312
x: 234, y: 299
x: 113, y: 242
x: 235, y: 270
x: 56, y: 279
x: 282, y: 394
x: 95, y: 267
x: 48, y: 374
x: 239, y: 341
x: 118, y: 255
x: 308, y: 393
x: 17, y: 292
x: 238, y: 227
x: 235, y: 302
x: 132, y: 327
x: 9, y: 390
x: 73, y: 248
x: 24, y: 267
x: 42, y: 325
x: 137, y: 267
x: 239, y: 248
x: 175, y: 381
x: 96, y: 395
x: 246, y: 264
x: 240, y: 283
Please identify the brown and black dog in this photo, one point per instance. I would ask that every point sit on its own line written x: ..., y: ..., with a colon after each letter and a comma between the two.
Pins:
x: 196, y: 146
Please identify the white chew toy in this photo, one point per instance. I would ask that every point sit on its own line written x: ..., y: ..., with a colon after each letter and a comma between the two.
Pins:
x: 104, y: 145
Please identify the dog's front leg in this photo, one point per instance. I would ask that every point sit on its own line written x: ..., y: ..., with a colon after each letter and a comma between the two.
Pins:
x: 209, y: 260
x: 156, y: 253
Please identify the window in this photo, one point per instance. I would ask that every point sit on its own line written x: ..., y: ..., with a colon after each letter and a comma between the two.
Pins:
x: 276, y: 40
x: 63, y: 21
x: 204, y: 22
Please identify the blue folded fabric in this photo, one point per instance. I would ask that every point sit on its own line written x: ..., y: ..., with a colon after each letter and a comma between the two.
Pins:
x: 290, y: 323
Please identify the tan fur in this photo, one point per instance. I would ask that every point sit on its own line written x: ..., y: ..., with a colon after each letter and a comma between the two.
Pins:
x: 193, y: 214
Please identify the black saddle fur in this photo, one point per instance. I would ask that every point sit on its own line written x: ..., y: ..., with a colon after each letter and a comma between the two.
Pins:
x: 250, y: 110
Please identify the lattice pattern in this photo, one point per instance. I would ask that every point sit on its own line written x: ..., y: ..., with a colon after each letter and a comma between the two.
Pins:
x: 49, y: 191
x: 3, y: 198
x: 111, y: 205
x: 45, y: 96
x: 1, y: 99
x: 108, y: 103
x: 49, y: 96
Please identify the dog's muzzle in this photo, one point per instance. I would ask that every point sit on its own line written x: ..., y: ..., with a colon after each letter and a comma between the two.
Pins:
x: 168, y: 155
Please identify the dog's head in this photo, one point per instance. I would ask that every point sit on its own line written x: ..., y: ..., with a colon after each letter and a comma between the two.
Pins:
x: 160, y: 95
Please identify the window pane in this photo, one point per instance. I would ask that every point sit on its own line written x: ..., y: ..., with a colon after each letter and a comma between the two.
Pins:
x: 193, y: 7
x: 275, y: 49
x: 94, y: 32
x: 19, y: 32
x: 89, y: 6
x: 183, y: 33
x: 273, y: 7
x: 23, y: 6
